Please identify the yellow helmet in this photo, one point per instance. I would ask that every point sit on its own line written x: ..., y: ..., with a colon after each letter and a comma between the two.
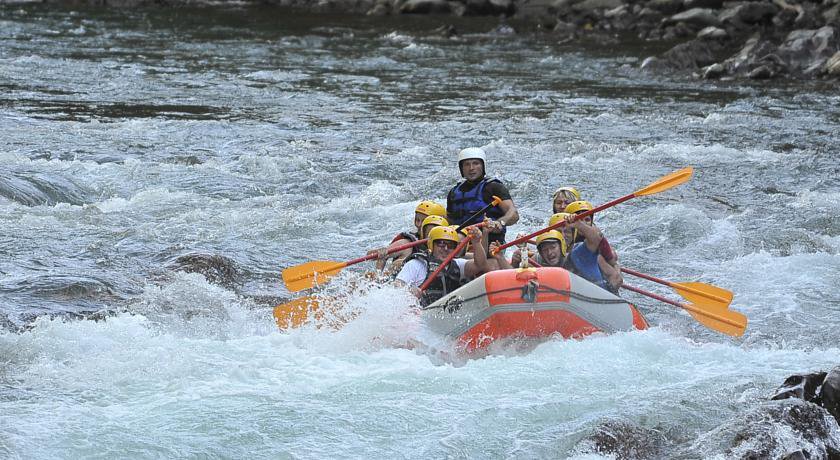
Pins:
x: 578, y: 206
x: 442, y: 233
x: 571, y: 190
x: 552, y: 235
x: 557, y: 218
x: 430, y: 208
x: 433, y: 220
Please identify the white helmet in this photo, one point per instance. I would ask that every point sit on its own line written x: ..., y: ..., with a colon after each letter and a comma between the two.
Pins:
x: 470, y: 153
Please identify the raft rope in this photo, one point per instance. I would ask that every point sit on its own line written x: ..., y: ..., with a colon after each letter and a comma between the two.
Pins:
x: 539, y: 289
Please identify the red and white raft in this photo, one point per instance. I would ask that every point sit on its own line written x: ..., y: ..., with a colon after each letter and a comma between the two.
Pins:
x: 531, y: 303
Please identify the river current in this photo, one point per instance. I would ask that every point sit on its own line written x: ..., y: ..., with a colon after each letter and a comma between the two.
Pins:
x: 131, y: 138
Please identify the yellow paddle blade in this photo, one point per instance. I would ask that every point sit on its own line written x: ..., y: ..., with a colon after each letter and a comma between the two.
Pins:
x: 703, y: 293
x: 310, y: 274
x: 671, y: 180
x: 295, y: 313
x: 719, y: 319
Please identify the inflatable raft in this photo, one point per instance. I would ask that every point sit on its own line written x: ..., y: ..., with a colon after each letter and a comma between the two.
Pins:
x: 532, y: 303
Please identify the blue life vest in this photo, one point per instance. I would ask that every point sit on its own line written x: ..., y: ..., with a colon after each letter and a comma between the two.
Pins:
x: 584, y: 263
x: 465, y: 204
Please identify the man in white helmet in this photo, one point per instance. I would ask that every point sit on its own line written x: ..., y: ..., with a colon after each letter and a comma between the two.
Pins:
x: 475, y: 192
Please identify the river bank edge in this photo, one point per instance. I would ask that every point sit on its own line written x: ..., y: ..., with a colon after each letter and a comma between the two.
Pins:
x: 715, y: 39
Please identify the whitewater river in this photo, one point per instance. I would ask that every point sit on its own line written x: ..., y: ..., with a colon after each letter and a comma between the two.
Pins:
x: 128, y: 140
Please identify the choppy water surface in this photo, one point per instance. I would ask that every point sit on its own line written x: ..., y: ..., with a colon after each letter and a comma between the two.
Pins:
x: 132, y: 139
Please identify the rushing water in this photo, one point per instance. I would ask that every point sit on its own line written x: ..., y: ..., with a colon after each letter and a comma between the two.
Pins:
x: 130, y: 139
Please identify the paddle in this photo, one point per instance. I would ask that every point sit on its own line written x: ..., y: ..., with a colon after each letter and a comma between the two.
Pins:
x: 296, y: 312
x: 316, y: 272
x: 443, y: 264
x: 711, y: 315
x: 693, y: 292
x: 664, y: 183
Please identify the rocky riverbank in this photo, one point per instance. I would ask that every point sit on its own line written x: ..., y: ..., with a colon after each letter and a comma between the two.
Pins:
x: 714, y: 39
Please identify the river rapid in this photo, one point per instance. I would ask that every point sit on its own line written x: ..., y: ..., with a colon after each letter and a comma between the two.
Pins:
x: 132, y: 138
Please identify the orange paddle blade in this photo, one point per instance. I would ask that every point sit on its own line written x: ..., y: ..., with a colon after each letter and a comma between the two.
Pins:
x: 295, y: 313
x: 310, y: 274
x: 703, y: 293
x: 666, y: 182
x: 718, y: 318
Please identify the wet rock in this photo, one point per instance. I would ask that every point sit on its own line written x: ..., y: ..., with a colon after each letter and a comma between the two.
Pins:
x: 750, y: 12
x: 768, y: 431
x: 426, y: 7
x: 382, y: 8
x: 216, y: 269
x: 807, y: 51
x: 186, y: 160
x: 677, y: 30
x: 691, y: 55
x: 761, y: 72
x: 802, y: 386
x: 786, y: 17
x: 668, y: 7
x: 830, y: 393
x: 592, y: 5
x: 712, y: 33
x: 447, y: 31
x: 35, y: 189
x: 713, y: 71
x: 745, y: 60
x: 700, y: 17
x: 624, y: 440
x: 832, y: 66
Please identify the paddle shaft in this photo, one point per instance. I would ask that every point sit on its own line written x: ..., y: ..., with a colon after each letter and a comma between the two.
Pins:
x: 339, y: 265
x: 687, y: 307
x: 673, y: 285
x: 563, y: 222
x: 495, y: 202
x: 662, y: 184
x: 443, y: 264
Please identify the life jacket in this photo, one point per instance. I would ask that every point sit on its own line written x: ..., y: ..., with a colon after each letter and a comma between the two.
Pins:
x: 447, y: 280
x: 464, y: 204
x: 584, y: 263
x: 411, y: 237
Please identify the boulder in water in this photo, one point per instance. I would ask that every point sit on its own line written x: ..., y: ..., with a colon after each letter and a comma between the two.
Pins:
x: 830, y: 393
x: 217, y: 269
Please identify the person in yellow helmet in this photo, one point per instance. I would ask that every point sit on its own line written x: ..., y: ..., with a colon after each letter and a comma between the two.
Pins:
x: 423, y: 210
x: 584, y: 258
x: 563, y: 197
x: 431, y: 222
x: 419, y: 266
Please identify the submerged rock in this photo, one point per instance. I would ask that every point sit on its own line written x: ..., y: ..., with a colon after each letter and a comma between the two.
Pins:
x: 771, y: 429
x: 624, y: 440
x: 217, y: 269
x: 802, y: 386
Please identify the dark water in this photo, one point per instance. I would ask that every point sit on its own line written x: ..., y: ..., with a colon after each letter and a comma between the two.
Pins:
x: 133, y: 139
